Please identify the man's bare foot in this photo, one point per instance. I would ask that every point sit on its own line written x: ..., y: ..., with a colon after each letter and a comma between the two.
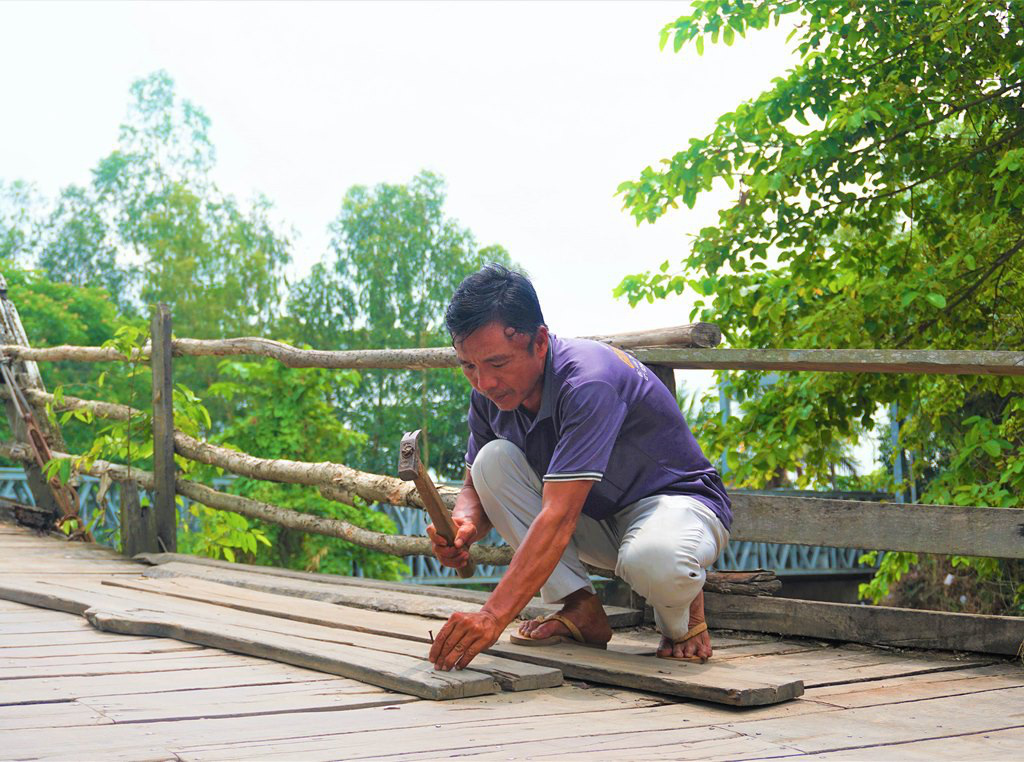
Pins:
x: 699, y: 646
x: 583, y: 609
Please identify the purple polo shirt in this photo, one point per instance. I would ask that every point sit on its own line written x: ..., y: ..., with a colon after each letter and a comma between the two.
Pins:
x: 604, y: 417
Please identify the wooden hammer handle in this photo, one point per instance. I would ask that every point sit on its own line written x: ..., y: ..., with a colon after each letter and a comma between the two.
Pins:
x: 443, y: 523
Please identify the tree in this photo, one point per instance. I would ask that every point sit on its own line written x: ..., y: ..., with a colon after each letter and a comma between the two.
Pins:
x: 878, y: 204
x: 285, y: 413
x: 396, y: 260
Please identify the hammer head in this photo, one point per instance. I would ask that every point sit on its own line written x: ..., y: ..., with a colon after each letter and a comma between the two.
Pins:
x: 409, y: 456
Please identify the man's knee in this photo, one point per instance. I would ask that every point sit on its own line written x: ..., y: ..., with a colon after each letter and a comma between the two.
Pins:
x: 660, y: 570
x: 493, y: 459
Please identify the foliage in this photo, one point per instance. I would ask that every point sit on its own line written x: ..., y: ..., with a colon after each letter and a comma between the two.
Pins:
x: 878, y: 204
x: 288, y: 413
x: 396, y: 260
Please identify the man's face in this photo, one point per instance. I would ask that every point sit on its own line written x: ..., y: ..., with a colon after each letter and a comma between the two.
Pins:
x: 500, y: 364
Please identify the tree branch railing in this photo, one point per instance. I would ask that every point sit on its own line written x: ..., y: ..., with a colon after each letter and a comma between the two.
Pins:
x: 919, y: 361
x: 760, y: 519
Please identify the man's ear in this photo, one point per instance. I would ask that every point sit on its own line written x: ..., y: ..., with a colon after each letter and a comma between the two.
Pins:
x: 541, y: 340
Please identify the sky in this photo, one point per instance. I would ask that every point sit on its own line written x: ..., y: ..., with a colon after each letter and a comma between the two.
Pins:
x: 533, y: 112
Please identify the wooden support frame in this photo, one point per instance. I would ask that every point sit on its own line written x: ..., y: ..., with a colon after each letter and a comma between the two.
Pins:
x: 946, y: 529
x: 138, y: 523
x: 164, y: 502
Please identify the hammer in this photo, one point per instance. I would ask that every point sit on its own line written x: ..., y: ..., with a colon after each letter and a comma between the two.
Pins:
x: 410, y: 468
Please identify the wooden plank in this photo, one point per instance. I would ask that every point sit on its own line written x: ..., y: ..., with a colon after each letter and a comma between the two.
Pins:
x: 84, y: 637
x: 540, y: 735
x: 393, y: 671
x: 947, y: 529
x: 841, y: 666
x: 360, y: 597
x: 357, y: 624
x: 879, y: 725
x: 878, y: 625
x: 396, y: 625
x: 921, y: 686
x: 68, y: 714
x: 105, y: 649
x: 65, y: 688
x: 719, y: 682
x: 617, y: 616
x: 135, y: 740
x: 930, y: 361
x: 333, y: 694
x: 1003, y: 743
x: 122, y: 666
x: 164, y: 469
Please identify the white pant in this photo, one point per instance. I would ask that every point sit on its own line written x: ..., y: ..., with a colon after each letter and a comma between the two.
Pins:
x: 660, y: 545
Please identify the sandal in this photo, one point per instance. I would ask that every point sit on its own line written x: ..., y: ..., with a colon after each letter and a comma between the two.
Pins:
x: 694, y: 632
x: 576, y: 639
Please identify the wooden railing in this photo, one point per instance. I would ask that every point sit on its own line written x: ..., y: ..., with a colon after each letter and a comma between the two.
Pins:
x: 992, y: 532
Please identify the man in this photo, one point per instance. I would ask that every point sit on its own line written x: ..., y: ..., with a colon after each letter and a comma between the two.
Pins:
x: 577, y: 453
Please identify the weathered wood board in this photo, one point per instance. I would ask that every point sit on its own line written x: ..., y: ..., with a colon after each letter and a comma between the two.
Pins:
x: 713, y: 681
x: 948, y: 529
x: 395, y: 598
x: 361, y: 626
x: 880, y: 625
x: 392, y: 670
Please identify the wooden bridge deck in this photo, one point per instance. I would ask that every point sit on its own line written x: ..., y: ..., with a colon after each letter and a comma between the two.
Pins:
x: 68, y: 691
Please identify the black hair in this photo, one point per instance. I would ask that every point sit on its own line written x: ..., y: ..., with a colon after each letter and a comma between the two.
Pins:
x: 494, y: 294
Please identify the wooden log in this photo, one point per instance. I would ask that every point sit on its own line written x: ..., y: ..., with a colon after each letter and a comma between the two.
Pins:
x: 138, y: 523
x: 396, y: 545
x: 875, y: 625
x: 946, y: 529
x: 164, y: 503
x: 335, y: 480
x: 932, y: 361
x: 694, y: 335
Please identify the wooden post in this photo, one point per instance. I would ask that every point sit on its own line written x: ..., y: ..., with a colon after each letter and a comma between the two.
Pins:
x: 666, y: 375
x: 138, y: 523
x: 163, y: 432
x: 27, y: 374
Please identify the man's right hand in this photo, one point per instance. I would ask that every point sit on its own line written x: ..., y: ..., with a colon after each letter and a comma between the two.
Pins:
x: 455, y: 555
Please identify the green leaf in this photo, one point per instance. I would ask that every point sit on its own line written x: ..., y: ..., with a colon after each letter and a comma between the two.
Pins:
x: 938, y: 300
x: 728, y: 35
x: 992, y: 448
x: 700, y: 45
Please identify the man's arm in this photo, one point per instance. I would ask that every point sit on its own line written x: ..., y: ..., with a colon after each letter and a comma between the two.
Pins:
x: 466, y: 635
x: 472, y: 524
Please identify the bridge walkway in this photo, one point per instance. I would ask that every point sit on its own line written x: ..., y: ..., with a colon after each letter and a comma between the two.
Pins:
x: 68, y: 691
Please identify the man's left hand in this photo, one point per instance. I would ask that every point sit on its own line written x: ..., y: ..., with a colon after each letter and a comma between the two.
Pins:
x: 463, y: 636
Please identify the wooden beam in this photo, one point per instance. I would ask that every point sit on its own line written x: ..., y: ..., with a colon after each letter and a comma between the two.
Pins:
x: 938, y: 361
x: 138, y: 523
x: 946, y: 529
x: 164, y: 503
x: 873, y: 625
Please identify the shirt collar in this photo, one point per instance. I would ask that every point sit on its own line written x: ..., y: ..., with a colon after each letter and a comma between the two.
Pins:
x: 547, y: 400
